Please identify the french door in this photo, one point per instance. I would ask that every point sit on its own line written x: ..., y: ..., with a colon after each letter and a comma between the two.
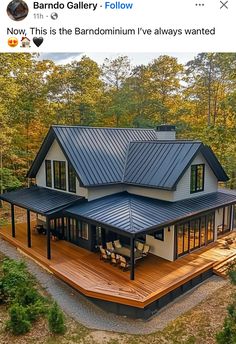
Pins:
x: 193, y: 234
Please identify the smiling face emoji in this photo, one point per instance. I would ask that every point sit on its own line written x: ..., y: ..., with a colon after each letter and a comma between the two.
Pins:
x: 12, y: 42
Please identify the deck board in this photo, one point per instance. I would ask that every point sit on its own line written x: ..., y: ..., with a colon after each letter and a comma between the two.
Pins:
x: 83, y: 270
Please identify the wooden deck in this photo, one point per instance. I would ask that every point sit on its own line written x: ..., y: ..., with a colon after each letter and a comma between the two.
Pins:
x: 83, y: 270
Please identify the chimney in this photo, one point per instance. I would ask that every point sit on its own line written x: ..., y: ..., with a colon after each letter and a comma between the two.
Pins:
x: 166, y: 132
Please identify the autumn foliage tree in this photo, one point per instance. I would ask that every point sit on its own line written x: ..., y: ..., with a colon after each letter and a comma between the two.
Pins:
x: 198, y: 97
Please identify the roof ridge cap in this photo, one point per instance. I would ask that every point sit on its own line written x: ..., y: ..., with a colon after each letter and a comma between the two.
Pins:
x: 107, y: 128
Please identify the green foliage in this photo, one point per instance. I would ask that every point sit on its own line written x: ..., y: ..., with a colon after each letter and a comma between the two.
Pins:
x: 228, y: 333
x: 17, y: 288
x: 15, y: 279
x: 36, y: 309
x: 8, y: 180
x: 56, y: 321
x: 18, y: 323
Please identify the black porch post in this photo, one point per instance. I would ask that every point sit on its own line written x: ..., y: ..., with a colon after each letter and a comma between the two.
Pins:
x: 13, y: 226
x: 28, y: 229
x: 48, y: 239
x: 132, y: 258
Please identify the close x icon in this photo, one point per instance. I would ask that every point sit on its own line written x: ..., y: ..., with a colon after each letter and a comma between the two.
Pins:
x: 224, y: 4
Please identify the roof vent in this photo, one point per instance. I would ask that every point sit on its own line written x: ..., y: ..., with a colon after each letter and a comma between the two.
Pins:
x: 166, y: 132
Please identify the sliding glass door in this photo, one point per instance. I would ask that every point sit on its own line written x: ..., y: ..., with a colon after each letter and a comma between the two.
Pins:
x: 193, y: 234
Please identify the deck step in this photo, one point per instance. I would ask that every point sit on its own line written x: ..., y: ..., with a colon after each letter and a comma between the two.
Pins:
x: 221, y: 268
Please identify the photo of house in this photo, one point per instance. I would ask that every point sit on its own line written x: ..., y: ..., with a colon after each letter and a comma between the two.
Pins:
x: 143, y: 200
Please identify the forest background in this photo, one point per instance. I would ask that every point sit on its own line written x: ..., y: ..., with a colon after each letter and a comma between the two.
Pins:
x: 198, y: 97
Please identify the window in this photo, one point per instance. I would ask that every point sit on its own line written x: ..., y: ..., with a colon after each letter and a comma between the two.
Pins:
x: 159, y: 234
x: 48, y: 171
x: 224, y: 227
x: 59, y: 170
x: 193, y: 234
x: 71, y: 178
x: 197, y: 178
x: 73, y: 231
x: 83, y: 230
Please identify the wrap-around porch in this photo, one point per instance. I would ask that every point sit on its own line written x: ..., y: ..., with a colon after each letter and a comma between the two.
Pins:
x: 84, y: 271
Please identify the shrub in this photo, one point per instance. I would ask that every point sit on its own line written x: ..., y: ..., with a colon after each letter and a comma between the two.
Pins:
x: 18, y: 323
x: 15, y: 278
x: 35, y: 310
x: 56, y: 320
x: 27, y: 296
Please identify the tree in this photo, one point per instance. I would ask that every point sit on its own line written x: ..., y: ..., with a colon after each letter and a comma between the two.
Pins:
x: 165, y: 87
x: 87, y: 89
x: 8, y: 180
x: 115, y: 73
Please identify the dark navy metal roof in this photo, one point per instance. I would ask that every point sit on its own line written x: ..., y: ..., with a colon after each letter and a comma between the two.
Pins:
x: 102, y: 156
x: 40, y: 200
x: 134, y: 214
x: 97, y: 154
x: 214, y: 164
x: 159, y: 164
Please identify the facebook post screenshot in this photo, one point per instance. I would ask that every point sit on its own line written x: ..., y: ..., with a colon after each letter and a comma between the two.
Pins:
x: 117, y: 172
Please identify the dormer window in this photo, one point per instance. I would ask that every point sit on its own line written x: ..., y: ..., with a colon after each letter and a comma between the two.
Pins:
x: 197, y: 178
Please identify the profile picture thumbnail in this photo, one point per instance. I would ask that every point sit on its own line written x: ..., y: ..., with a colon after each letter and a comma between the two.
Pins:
x: 17, y: 10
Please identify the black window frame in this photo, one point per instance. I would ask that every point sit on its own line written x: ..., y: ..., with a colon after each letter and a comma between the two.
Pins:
x: 195, y: 184
x: 82, y: 230
x: 60, y: 185
x: 159, y: 234
x: 48, y: 164
x: 71, y: 178
x: 205, y: 222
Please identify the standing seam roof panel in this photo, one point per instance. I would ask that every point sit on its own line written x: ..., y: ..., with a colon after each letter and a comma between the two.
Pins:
x: 158, y: 164
x: 134, y: 214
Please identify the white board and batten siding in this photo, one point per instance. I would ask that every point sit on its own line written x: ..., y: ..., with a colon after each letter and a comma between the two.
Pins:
x: 183, y: 186
x: 163, y: 249
x: 55, y: 154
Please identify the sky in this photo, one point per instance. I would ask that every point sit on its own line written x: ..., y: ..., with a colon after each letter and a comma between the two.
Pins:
x: 136, y: 58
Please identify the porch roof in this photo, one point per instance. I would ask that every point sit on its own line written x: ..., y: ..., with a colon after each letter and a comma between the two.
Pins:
x: 135, y: 214
x: 40, y: 200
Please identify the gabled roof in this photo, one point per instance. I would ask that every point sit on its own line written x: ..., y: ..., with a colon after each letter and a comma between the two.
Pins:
x: 97, y: 154
x: 103, y: 156
x: 134, y: 214
x: 40, y: 200
x: 161, y: 164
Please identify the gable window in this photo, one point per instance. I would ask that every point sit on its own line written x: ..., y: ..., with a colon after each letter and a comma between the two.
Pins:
x: 59, y: 170
x: 48, y: 171
x: 197, y: 178
x: 71, y: 178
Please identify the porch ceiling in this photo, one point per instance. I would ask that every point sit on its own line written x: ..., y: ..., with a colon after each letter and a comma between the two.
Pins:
x: 40, y: 200
x: 134, y: 214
